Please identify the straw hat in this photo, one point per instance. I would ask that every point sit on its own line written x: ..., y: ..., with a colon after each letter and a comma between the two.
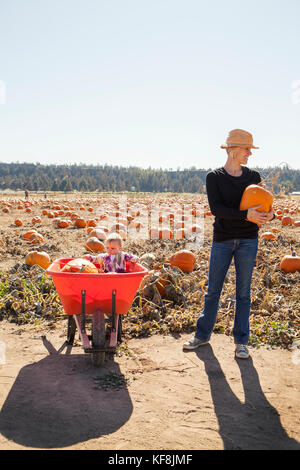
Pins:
x: 239, y: 138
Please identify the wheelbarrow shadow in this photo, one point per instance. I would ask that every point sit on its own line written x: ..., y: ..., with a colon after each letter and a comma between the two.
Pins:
x: 252, y: 425
x: 56, y: 403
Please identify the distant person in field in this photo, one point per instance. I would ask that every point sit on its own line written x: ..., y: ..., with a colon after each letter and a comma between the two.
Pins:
x: 115, y: 259
x: 234, y: 236
x: 26, y: 194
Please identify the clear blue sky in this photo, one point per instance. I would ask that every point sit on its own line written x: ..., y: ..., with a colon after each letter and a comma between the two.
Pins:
x: 148, y: 82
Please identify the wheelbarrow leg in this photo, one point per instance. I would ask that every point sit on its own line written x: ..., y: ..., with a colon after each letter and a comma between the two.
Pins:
x: 98, y: 337
x: 71, y: 330
x: 116, y: 322
x: 114, y: 332
x: 119, y: 328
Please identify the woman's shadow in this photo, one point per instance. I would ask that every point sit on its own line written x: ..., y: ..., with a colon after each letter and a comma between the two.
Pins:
x: 57, y: 402
x: 254, y: 424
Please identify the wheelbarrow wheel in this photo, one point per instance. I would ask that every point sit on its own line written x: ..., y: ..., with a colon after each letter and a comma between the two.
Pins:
x: 98, y: 358
x: 98, y: 338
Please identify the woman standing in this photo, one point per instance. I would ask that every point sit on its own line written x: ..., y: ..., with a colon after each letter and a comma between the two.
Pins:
x: 233, y: 237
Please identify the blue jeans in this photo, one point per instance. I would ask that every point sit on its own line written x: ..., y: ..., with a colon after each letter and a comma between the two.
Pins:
x: 244, y: 252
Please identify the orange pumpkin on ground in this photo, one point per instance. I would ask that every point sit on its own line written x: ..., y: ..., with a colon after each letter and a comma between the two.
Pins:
x: 287, y: 220
x: 184, y: 260
x: 28, y: 234
x: 290, y: 263
x: 255, y: 195
x: 99, y: 233
x: 80, y: 265
x: 179, y: 225
x: 118, y: 226
x: 38, y: 257
x: 180, y: 234
x: 80, y: 223
x: 268, y: 236
x: 62, y: 224
x: 195, y: 229
x: 165, y: 233
x: 153, y: 232
x: 18, y: 222
x: 161, y: 283
x: 92, y: 223
x: 95, y: 245
x: 36, y: 238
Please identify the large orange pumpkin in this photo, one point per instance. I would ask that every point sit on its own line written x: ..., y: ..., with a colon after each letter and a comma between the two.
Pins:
x: 80, y: 265
x: 255, y: 195
x: 184, y: 260
x: 38, y: 257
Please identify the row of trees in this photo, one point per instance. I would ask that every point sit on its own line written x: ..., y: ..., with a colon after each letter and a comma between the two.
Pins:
x: 38, y: 177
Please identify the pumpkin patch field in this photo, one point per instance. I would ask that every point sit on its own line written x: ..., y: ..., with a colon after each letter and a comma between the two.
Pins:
x: 171, y: 235
x: 151, y: 394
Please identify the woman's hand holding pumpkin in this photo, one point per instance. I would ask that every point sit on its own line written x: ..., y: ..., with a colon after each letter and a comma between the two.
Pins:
x: 270, y: 215
x: 258, y: 217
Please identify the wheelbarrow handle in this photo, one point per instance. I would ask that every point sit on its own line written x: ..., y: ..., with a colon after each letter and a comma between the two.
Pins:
x: 113, y: 310
x: 83, y: 292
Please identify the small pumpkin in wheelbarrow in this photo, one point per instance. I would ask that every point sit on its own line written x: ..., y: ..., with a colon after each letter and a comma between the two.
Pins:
x: 80, y: 265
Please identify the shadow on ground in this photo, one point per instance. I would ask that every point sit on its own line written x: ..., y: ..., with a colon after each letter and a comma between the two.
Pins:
x: 55, y: 403
x: 254, y: 424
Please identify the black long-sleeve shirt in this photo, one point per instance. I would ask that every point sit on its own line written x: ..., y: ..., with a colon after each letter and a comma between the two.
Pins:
x: 224, y: 193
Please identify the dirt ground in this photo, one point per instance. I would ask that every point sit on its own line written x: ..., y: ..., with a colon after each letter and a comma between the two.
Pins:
x: 51, y: 395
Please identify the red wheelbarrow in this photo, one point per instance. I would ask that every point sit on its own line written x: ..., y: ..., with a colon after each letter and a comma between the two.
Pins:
x: 96, y: 295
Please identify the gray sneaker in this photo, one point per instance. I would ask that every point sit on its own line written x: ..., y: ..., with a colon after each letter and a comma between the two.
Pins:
x: 241, y: 351
x: 194, y: 343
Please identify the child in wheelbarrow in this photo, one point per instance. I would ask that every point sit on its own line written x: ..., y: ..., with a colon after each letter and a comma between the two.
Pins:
x: 115, y: 259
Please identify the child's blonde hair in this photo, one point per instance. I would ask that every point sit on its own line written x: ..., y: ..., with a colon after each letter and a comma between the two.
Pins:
x: 114, y: 237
